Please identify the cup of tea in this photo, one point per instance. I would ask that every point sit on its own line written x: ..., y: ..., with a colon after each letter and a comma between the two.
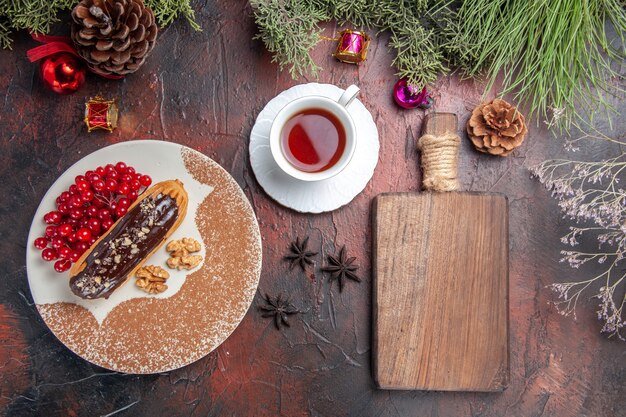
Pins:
x: 313, y: 138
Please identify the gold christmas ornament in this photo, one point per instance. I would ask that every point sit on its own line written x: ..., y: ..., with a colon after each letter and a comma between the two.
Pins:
x: 352, y: 46
x: 496, y: 128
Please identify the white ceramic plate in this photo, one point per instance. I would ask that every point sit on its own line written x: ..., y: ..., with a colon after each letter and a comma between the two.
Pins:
x: 320, y: 196
x: 215, y: 284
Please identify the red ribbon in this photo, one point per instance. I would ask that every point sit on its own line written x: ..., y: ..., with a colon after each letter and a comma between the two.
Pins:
x: 54, y: 44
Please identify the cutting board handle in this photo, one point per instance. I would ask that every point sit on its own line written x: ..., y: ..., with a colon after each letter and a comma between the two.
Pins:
x: 439, y: 145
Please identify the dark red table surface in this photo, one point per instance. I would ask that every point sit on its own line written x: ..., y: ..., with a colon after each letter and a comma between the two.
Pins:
x: 204, y: 90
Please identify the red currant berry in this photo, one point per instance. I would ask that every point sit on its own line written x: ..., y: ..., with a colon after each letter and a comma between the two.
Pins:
x: 76, y: 201
x: 137, y: 176
x: 57, y: 243
x: 62, y: 265
x: 41, y: 243
x: 106, y: 224
x: 72, y: 222
x: 98, y: 185
x: 123, y: 188
x: 123, y: 202
x: 47, y: 218
x: 77, y: 213
x: 64, y: 229
x: 145, y: 180
x: 83, y: 185
x: 73, y: 189
x: 130, y: 171
x: 104, y: 214
x: 74, y: 256
x: 64, y: 252
x: 111, y: 185
x: 83, y: 234
x: 113, y: 175
x: 100, y: 171
x: 91, y: 211
x: 53, y: 217
x: 51, y: 231
x: 108, y: 168
x: 135, y: 185
x: 72, y: 238
x: 120, y: 211
x: 120, y: 167
x: 81, y: 247
x: 84, y: 177
x: 65, y: 195
x: 49, y: 254
x: 97, y: 203
x: 132, y: 196
x: 82, y: 222
x: 126, y: 178
x: 94, y: 225
x: 63, y: 208
x: 113, y: 206
x: 92, y: 240
x: 93, y: 177
x: 87, y: 196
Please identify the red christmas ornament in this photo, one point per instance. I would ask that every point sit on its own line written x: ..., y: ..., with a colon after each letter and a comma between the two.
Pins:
x: 62, y: 69
x: 63, y: 73
x: 101, y: 114
x: 409, y: 97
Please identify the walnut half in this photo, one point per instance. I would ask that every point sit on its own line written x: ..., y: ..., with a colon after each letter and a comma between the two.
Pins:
x: 184, y: 262
x: 179, y: 253
x: 183, y: 247
x: 152, y: 279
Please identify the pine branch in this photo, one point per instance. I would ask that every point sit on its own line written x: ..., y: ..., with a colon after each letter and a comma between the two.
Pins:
x: 166, y: 11
x: 415, y: 36
x: 419, y: 31
x: 39, y: 15
x: 554, y: 55
x: 357, y: 12
x: 5, y: 40
x: 289, y: 29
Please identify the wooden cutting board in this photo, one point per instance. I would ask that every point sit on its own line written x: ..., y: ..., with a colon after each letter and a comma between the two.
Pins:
x: 440, y: 277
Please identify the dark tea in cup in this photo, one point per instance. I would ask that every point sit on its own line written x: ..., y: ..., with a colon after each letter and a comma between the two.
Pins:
x: 313, y: 137
x: 313, y: 140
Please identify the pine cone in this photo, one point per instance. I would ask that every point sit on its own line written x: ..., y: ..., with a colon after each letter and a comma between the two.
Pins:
x: 113, y: 36
x: 496, y: 128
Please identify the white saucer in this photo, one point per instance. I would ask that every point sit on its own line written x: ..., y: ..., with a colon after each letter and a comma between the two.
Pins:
x: 319, y: 196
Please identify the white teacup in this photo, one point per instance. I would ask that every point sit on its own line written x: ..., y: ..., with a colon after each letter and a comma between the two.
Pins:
x: 338, y: 109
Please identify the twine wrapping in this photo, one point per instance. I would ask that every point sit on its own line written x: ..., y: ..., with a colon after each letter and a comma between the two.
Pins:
x: 440, y: 157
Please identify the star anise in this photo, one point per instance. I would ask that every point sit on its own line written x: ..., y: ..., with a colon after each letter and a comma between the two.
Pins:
x: 299, y: 254
x: 278, y: 308
x: 341, y: 267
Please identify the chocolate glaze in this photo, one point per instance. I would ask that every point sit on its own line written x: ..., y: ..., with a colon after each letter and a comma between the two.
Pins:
x: 141, y: 229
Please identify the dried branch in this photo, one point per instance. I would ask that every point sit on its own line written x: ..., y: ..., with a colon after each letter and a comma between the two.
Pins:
x: 591, y: 194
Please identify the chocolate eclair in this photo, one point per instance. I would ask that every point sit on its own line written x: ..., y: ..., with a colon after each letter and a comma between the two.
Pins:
x: 130, y: 241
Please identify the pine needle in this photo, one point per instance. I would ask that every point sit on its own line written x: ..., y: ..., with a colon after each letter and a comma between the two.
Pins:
x: 553, y: 54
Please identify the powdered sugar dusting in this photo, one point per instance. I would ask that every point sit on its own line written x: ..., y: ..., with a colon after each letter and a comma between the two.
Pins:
x: 150, y: 335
